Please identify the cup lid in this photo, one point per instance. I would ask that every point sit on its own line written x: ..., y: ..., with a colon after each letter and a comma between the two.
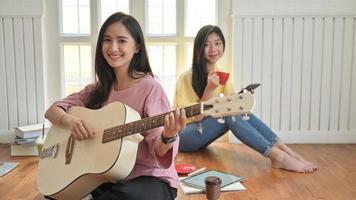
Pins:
x: 212, y: 180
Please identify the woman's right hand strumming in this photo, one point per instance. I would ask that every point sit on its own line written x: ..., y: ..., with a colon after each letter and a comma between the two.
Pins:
x: 79, y: 129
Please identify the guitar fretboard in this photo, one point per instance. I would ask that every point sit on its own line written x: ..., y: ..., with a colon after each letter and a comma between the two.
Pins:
x: 145, y: 124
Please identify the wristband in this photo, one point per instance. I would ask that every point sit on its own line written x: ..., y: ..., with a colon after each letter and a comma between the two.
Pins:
x: 168, y: 140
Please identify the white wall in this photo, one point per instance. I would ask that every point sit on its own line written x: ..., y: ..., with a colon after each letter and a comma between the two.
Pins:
x: 52, y: 52
x: 21, y: 65
x: 293, y: 7
x: 21, y: 7
x: 302, y: 53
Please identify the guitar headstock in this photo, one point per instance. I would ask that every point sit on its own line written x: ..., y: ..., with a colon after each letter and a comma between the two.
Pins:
x: 229, y: 105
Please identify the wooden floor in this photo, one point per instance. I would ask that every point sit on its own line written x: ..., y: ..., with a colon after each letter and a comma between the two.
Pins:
x: 335, y: 179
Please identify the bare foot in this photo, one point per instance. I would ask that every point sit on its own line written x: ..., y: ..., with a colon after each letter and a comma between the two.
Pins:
x: 282, y: 160
x: 292, y: 153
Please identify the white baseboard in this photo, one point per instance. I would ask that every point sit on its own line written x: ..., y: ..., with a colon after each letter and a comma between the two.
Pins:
x: 7, y: 136
x: 312, y: 137
x: 289, y: 137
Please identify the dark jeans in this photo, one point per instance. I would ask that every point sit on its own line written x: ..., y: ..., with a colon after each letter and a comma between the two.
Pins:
x: 140, y: 188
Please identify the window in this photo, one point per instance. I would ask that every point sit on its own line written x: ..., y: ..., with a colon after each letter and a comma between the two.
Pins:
x: 163, y: 63
x: 162, y: 32
x: 108, y: 7
x: 161, y: 17
x: 195, y: 20
x: 77, y: 67
x: 75, y: 17
x: 188, y: 54
x: 169, y: 27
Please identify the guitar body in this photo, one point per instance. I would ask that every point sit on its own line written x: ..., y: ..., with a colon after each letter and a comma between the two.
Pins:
x: 92, y: 162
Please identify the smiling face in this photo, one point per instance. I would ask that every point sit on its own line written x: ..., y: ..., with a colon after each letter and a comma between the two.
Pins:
x: 214, y: 49
x: 118, y: 46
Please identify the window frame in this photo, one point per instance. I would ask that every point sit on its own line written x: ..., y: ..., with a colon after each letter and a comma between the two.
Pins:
x: 138, y: 9
x: 98, y: 9
x: 185, y: 15
x: 60, y: 15
x: 62, y: 69
x: 158, y: 35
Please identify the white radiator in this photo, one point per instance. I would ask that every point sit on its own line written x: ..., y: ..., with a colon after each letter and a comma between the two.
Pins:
x: 21, y: 72
x: 307, y: 69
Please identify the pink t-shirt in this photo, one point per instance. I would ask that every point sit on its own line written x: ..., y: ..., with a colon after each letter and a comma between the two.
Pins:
x: 147, y: 98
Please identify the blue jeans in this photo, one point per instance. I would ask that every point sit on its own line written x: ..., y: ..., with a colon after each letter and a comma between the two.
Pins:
x: 253, y: 132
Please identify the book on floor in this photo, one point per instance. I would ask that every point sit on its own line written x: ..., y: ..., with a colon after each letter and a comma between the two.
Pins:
x: 24, y: 150
x: 20, y: 140
x: 6, y: 167
x: 186, y: 189
x: 33, y: 130
x: 198, y: 180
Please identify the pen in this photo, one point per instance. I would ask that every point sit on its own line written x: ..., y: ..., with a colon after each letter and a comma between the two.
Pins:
x: 197, y: 171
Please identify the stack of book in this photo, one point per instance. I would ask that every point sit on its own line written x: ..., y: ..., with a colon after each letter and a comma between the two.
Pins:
x: 26, y: 139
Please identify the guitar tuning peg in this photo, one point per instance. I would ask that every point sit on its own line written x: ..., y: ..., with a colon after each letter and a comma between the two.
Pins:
x: 221, y: 120
x: 245, y: 117
x: 233, y: 118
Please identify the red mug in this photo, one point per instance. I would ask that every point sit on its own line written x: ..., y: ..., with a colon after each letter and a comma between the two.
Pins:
x: 223, y: 77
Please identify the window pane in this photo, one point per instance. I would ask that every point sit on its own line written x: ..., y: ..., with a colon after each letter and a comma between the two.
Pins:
x: 161, y: 17
x: 69, y: 16
x: 77, y: 67
x: 195, y: 20
x: 76, y: 17
x: 85, y: 65
x: 163, y: 63
x: 188, y: 54
x: 84, y: 16
x: 108, y: 7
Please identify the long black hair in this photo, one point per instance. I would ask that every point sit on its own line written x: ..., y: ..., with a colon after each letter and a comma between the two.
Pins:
x: 199, y: 66
x: 138, y: 67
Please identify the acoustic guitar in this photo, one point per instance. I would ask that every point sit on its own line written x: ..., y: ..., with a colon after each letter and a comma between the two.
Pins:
x: 71, y: 169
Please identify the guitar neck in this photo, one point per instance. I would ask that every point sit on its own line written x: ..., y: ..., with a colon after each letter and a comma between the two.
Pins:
x: 148, y: 123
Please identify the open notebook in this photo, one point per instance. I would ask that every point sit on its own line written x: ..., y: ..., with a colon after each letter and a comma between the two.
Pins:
x: 196, y: 183
x: 6, y: 167
x: 237, y: 186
